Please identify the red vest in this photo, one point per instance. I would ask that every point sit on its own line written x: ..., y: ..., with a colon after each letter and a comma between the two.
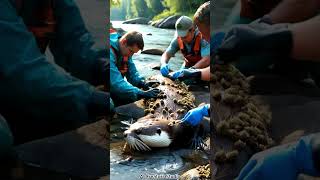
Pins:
x: 39, y: 20
x: 192, y: 57
x: 121, y: 64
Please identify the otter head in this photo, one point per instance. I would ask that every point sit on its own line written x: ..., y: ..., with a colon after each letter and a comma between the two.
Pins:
x: 150, y: 132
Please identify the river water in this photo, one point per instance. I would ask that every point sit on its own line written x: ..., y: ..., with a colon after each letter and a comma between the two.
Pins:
x: 166, y: 163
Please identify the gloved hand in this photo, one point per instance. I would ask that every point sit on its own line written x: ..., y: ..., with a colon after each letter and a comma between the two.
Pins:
x: 164, y: 69
x: 99, y: 104
x: 194, y: 116
x: 147, y: 84
x: 151, y: 93
x: 283, y: 162
x: 254, y: 38
x: 184, y: 74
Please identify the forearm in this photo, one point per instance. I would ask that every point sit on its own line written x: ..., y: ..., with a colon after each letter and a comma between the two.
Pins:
x: 133, y: 75
x: 205, y: 74
x: 30, y: 81
x: 306, y: 40
x: 121, y: 87
x: 291, y: 11
x: 73, y: 47
x: 204, y: 62
x: 165, y: 58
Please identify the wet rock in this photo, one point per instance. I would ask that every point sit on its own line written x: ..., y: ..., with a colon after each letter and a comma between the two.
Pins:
x: 153, y: 51
x: 166, y: 23
x: 139, y: 20
x: 156, y: 23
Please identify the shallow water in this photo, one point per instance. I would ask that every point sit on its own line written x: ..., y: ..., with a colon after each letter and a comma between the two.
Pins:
x: 142, y: 165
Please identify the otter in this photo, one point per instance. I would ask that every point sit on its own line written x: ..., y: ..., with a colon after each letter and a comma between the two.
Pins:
x: 161, y: 126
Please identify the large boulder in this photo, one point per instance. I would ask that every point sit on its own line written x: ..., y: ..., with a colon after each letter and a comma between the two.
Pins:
x: 169, y: 22
x: 153, y: 51
x: 157, y: 22
x: 139, y: 20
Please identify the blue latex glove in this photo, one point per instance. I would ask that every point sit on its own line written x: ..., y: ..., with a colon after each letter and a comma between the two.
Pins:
x: 151, y: 93
x: 283, y: 162
x: 194, y: 116
x: 176, y: 74
x: 184, y: 74
x: 164, y: 69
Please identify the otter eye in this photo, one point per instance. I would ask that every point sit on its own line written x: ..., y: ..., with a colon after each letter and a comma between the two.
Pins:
x: 138, y: 131
x: 159, y: 131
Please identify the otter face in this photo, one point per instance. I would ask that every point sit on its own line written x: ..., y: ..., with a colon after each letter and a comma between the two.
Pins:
x: 147, y: 133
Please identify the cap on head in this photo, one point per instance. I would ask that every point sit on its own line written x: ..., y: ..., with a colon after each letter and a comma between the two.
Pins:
x: 183, y: 25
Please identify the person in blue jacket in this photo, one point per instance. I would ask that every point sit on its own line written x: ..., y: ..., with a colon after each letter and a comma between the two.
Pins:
x: 38, y: 97
x: 134, y: 87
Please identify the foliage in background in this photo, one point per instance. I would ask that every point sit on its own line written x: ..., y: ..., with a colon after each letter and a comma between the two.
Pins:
x: 153, y: 9
x: 115, y: 2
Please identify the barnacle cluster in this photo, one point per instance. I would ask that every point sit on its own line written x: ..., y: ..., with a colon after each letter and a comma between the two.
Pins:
x: 246, y: 125
x: 165, y: 104
x: 221, y: 156
x: 204, y: 171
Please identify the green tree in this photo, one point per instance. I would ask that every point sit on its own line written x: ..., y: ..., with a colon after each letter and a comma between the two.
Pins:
x: 115, y: 2
x: 155, y: 6
x: 139, y: 8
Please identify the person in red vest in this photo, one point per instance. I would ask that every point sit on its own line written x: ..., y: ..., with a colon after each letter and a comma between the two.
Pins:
x: 202, y: 20
x: 189, y: 40
x: 39, y: 98
x: 126, y: 84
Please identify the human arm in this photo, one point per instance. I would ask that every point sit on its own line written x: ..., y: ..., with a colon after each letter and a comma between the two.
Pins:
x: 205, y: 54
x: 170, y: 51
x: 202, y: 63
x: 285, y: 161
x: 31, y: 83
x: 74, y: 48
x: 298, y: 41
x: 118, y: 84
x: 293, y: 11
x: 133, y: 75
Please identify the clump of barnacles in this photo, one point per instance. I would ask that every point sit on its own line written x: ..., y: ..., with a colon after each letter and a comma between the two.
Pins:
x: 246, y: 125
x: 172, y: 102
x: 204, y: 171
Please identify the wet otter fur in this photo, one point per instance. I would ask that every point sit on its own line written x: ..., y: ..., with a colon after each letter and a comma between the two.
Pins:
x: 162, y: 127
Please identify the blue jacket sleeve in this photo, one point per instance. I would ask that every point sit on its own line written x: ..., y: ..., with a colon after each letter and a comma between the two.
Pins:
x: 118, y: 85
x: 29, y: 82
x: 73, y: 47
x: 133, y: 75
x: 205, y: 48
